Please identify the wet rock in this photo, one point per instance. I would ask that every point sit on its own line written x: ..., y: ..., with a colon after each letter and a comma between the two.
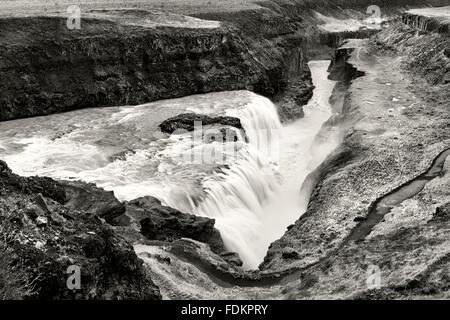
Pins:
x: 160, y: 222
x: 201, y: 255
x: 186, y: 122
x: 91, y: 199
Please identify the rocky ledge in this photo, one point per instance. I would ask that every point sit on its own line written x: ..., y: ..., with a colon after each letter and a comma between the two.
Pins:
x: 429, y: 19
x: 50, y: 226
x: 163, y: 223
x: 45, y: 238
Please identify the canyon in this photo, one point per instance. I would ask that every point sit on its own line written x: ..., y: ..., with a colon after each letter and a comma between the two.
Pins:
x: 368, y: 194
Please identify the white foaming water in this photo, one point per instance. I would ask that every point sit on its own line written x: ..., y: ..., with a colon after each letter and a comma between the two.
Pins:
x: 253, y: 192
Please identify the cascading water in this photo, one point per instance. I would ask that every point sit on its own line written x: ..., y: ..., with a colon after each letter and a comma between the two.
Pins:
x: 253, y: 192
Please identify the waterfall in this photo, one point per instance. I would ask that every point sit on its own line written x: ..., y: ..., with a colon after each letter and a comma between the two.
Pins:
x: 236, y: 196
x: 258, y: 195
x: 253, y: 191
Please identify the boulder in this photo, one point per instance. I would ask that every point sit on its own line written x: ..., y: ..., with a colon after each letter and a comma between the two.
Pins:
x: 163, y: 223
x: 93, y: 200
x: 45, y: 240
x: 186, y: 122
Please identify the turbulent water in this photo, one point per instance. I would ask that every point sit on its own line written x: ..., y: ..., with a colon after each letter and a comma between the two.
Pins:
x: 251, y: 189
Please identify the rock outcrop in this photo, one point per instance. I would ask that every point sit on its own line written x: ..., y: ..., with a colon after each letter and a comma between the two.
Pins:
x: 92, y: 200
x: 129, y: 56
x: 186, y: 122
x: 428, y: 20
x: 158, y: 222
x: 45, y: 238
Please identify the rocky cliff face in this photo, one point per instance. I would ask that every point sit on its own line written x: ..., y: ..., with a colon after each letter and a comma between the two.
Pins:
x: 48, y: 226
x: 422, y: 22
x: 47, y: 68
x: 162, y: 223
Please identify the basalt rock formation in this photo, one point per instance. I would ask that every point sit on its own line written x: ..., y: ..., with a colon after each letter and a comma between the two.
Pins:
x: 395, y: 120
x: 427, y: 51
x: 418, y: 19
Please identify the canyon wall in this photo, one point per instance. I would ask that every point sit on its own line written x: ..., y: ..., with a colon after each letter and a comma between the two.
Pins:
x: 396, y: 121
x: 427, y: 45
x: 47, y: 68
x: 426, y: 23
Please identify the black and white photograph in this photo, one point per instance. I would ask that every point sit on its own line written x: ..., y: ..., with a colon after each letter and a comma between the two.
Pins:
x: 237, y: 151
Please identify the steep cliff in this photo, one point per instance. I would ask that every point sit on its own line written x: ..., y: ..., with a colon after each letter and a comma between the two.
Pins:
x: 428, y: 20
x: 47, y: 68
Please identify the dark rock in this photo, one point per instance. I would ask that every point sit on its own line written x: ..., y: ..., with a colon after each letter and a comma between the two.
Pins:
x: 66, y: 236
x: 447, y: 52
x: 47, y: 187
x: 163, y: 223
x: 186, y: 122
x: 108, y: 63
x: 442, y: 213
x: 289, y: 253
x: 91, y: 199
x: 232, y: 258
x: 41, y: 203
x: 359, y: 219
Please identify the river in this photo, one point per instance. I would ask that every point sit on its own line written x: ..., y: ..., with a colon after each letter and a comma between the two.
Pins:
x: 253, y: 192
